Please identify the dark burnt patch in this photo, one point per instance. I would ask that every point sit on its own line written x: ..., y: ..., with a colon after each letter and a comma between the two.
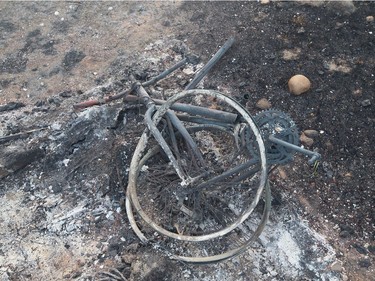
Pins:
x: 13, y: 63
x: 71, y: 59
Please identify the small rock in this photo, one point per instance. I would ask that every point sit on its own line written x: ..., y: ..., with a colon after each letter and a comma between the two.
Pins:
x: 110, y: 216
x: 188, y: 70
x: 360, y: 249
x: 306, y: 140
x: 66, y: 162
x: 365, y: 103
x: 346, y: 231
x: 242, y: 84
x: 336, y: 266
x: 292, y: 54
x: 282, y: 173
x: 40, y: 103
x: 301, y: 30
x: 370, y: 18
x: 264, y: 2
x: 66, y: 94
x: 344, y: 234
x: 344, y: 7
x: 263, y: 104
x: 311, y: 133
x: 364, y: 263
x: 357, y: 92
x: 11, y: 106
x: 56, y: 126
x: 299, y: 84
x: 54, y: 100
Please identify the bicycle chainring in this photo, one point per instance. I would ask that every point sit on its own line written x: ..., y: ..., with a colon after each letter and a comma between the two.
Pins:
x: 279, y: 124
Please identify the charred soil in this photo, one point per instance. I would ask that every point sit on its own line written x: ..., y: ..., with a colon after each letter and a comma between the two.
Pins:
x: 63, y: 197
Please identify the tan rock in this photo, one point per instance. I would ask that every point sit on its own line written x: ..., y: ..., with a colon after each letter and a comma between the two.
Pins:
x: 370, y: 18
x: 282, y: 173
x: 339, y: 65
x: 264, y: 2
x: 263, y: 104
x: 291, y: 54
x: 357, y: 92
x: 311, y: 133
x: 299, y: 84
x: 336, y: 266
x: 305, y: 140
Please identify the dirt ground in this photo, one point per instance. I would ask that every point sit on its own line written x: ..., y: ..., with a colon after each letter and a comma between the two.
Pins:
x: 62, y: 186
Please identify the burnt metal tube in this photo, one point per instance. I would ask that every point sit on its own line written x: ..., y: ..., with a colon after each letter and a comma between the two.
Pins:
x: 165, y: 73
x: 185, y: 134
x: 201, y: 120
x: 159, y: 138
x: 218, y: 115
x: 199, y: 76
x: 143, y: 95
x: 210, y: 184
x: 314, y: 155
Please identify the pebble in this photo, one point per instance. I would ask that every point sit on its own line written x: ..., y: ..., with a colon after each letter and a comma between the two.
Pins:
x: 299, y: 84
x: 56, y: 126
x: 282, y: 173
x: 364, y: 263
x: 357, y: 92
x: 188, y: 70
x: 370, y: 18
x: 346, y: 231
x: 360, y: 249
x: 306, y: 140
x: 263, y: 104
x: 336, y: 266
x: 292, y: 54
x: 311, y: 133
x: 365, y: 103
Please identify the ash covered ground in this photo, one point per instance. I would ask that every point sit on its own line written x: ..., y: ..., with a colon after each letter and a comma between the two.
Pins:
x: 63, y: 181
